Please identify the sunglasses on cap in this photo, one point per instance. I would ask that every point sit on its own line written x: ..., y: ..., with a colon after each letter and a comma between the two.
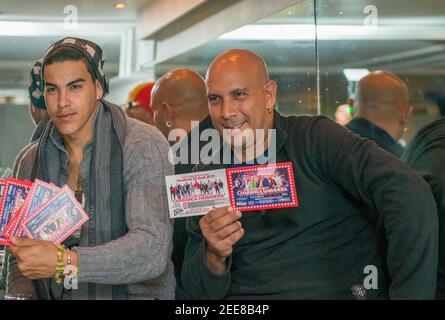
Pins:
x: 131, y: 104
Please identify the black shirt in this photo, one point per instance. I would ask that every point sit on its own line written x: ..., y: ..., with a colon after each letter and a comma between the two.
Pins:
x: 367, y: 129
x: 320, y: 249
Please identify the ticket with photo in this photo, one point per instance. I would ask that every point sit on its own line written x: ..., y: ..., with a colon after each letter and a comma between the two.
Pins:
x: 244, y: 188
x: 14, y: 195
x: 262, y: 187
x: 56, y: 219
x: 39, y: 193
x: 196, y: 193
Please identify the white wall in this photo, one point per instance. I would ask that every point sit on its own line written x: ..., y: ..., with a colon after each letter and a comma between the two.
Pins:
x: 16, y: 128
x: 121, y: 87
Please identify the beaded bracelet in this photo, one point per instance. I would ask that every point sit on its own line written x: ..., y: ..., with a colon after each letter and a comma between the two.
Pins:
x: 69, y: 272
x: 60, y: 265
x: 68, y: 257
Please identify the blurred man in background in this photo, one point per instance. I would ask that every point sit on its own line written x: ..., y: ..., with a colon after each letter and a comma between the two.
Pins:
x: 138, y: 105
x: 426, y: 155
x: 178, y: 98
x: 382, y: 110
x: 37, y: 106
x: 343, y: 115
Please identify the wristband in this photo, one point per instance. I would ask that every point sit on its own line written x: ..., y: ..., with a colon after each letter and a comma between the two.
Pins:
x: 60, y: 265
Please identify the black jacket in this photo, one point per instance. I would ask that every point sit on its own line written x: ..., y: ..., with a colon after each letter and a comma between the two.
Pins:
x: 426, y: 155
x: 367, y: 129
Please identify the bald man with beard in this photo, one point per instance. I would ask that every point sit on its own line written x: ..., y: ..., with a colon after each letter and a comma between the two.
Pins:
x: 381, y: 110
x: 325, y: 247
x: 178, y: 98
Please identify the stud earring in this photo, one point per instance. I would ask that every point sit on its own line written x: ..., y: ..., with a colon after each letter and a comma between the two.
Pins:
x: 168, y: 123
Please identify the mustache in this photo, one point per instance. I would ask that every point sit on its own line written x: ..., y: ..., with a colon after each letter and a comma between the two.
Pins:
x: 232, y: 124
x: 64, y: 113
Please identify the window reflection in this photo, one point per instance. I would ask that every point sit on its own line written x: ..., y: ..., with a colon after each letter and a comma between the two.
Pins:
x: 402, y: 37
x: 286, y: 41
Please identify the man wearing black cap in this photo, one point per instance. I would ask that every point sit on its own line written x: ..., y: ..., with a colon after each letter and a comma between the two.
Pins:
x: 116, y: 166
x: 37, y: 106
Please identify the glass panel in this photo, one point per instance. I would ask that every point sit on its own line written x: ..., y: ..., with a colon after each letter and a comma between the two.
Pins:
x: 402, y: 37
x: 286, y: 41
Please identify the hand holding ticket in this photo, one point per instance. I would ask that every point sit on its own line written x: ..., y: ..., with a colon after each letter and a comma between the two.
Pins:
x: 222, y: 229
x: 244, y: 188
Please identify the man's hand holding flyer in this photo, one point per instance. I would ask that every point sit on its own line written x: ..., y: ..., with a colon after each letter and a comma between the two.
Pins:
x: 38, y: 210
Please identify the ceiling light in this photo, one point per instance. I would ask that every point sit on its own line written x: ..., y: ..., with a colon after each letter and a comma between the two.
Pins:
x: 119, y: 5
x: 355, y: 74
x: 272, y: 32
x: 334, y: 32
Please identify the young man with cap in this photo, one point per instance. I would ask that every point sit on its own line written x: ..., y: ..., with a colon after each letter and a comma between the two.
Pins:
x: 116, y: 166
x: 37, y: 106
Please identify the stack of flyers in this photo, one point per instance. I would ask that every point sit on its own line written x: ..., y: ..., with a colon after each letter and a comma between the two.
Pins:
x: 12, y: 196
x: 39, y: 193
x: 46, y: 212
x: 243, y: 188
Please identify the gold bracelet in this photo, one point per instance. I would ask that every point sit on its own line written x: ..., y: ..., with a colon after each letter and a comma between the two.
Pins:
x: 60, y: 265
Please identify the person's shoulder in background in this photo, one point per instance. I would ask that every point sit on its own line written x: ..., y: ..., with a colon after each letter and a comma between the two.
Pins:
x: 24, y: 161
x: 146, y: 149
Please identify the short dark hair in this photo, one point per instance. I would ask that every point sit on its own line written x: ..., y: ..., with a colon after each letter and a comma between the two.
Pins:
x: 68, y: 54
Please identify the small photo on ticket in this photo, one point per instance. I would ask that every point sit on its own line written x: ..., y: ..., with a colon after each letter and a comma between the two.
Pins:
x: 197, y: 193
x: 262, y: 187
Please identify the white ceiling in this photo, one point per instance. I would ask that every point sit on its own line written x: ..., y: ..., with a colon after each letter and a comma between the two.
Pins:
x: 88, y: 10
x: 17, y: 53
x: 400, y: 44
x: 403, y: 46
x: 21, y: 45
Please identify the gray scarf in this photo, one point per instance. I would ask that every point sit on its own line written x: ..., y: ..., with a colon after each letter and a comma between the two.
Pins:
x: 106, y: 203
